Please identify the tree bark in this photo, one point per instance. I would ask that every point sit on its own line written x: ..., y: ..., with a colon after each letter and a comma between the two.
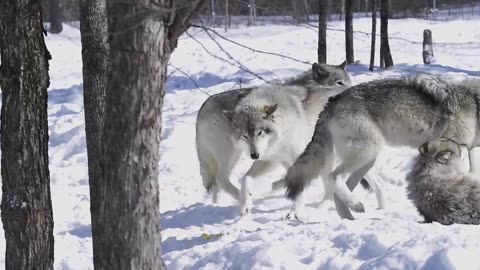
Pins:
x: 252, y: 13
x: 56, y: 16
x: 95, y: 56
x: 143, y: 37
x: 349, y: 31
x: 384, y: 46
x: 322, y: 30
x: 374, y: 34
x: 427, y: 52
x: 26, y: 203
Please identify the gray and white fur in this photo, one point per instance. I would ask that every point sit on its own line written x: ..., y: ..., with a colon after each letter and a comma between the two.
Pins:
x: 357, y: 123
x: 441, y: 186
x: 271, y: 123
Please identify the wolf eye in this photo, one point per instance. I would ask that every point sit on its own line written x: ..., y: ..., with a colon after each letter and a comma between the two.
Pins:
x: 340, y: 83
x: 245, y: 137
x: 260, y: 132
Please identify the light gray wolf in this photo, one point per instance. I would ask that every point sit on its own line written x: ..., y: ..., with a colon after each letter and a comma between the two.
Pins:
x: 441, y: 186
x: 356, y: 124
x: 271, y: 123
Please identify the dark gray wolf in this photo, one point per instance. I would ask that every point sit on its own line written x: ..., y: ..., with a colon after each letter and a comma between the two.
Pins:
x: 356, y: 124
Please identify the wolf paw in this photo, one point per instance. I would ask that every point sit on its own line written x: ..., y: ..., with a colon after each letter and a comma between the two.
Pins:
x: 358, y: 207
x: 246, y: 205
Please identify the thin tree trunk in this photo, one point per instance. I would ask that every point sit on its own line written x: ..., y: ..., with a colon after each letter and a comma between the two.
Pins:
x: 95, y: 54
x: 349, y: 31
x: 427, y: 52
x: 322, y: 30
x: 142, y: 40
x: 374, y: 34
x: 26, y: 208
x: 384, y: 46
x: 55, y: 12
x: 226, y: 15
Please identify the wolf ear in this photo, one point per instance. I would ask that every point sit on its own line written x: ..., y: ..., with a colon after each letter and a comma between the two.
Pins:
x: 269, y: 110
x: 423, y: 149
x: 228, y: 114
x: 319, y: 71
x: 343, y: 65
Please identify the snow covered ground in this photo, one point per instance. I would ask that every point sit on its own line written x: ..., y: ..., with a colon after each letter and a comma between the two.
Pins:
x: 199, y: 235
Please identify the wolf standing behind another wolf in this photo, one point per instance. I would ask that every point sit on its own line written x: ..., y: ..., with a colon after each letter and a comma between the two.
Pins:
x: 272, y: 123
x: 440, y: 185
x: 357, y: 123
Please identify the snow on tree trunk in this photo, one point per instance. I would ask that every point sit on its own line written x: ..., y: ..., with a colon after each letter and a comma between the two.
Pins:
x: 26, y: 207
x: 349, y: 31
x: 322, y: 30
x: 427, y: 52
x: 95, y: 55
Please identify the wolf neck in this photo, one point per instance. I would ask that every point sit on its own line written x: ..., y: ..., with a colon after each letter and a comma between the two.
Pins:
x: 317, y: 99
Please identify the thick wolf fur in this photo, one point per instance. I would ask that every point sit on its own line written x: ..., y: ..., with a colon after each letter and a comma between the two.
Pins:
x: 357, y: 123
x: 271, y: 123
x: 441, y: 186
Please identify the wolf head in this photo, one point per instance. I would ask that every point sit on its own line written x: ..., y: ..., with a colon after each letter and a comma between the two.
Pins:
x: 253, y: 128
x: 331, y: 75
x: 444, y: 157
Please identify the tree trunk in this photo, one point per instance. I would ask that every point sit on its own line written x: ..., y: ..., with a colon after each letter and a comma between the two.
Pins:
x: 374, y: 34
x: 26, y: 204
x: 252, y: 13
x: 95, y: 54
x: 226, y: 16
x: 143, y: 37
x: 300, y: 11
x: 55, y: 12
x: 384, y: 46
x: 349, y: 31
x: 427, y: 52
x: 322, y: 30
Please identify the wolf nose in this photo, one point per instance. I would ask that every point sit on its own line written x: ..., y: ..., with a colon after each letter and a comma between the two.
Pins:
x: 254, y: 155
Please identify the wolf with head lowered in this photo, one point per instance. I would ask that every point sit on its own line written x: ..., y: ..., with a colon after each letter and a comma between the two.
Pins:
x: 356, y: 124
x: 272, y: 124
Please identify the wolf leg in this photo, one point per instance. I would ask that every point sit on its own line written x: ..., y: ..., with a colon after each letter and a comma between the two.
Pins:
x: 378, y: 189
x: 225, y: 169
x: 352, y: 182
x: 354, y: 167
x: 259, y: 168
x: 208, y: 171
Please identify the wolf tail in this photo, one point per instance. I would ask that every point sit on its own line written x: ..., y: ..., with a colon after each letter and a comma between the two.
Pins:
x: 317, y: 159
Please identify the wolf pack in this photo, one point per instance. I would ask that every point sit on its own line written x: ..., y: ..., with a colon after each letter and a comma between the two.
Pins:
x: 318, y: 126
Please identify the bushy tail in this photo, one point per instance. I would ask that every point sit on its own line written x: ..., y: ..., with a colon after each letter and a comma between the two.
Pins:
x: 317, y: 159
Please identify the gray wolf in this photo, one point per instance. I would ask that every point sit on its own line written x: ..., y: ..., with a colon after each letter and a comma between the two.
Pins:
x: 270, y: 123
x: 356, y: 124
x: 441, y: 186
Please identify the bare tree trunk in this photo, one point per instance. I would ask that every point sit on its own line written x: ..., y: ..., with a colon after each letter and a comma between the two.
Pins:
x: 143, y: 37
x: 427, y: 52
x: 349, y: 31
x: 374, y: 34
x: 252, y: 13
x: 300, y: 11
x: 26, y: 204
x: 95, y: 54
x: 384, y: 46
x: 56, y: 16
x: 322, y: 30
x: 226, y: 16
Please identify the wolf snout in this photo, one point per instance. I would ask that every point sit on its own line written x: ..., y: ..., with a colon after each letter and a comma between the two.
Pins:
x: 254, y: 155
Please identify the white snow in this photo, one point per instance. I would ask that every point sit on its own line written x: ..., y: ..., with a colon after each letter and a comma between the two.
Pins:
x: 199, y: 235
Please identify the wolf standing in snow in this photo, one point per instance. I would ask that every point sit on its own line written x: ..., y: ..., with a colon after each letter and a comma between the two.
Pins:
x: 271, y: 123
x: 440, y: 185
x: 357, y: 123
